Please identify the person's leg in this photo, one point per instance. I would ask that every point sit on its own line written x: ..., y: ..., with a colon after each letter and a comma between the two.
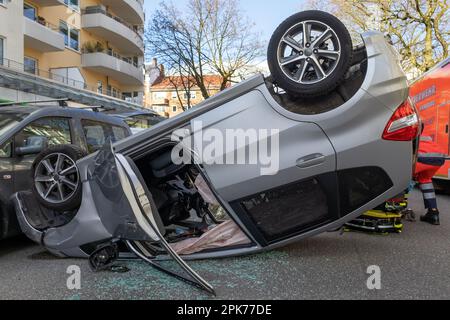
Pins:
x: 425, y: 179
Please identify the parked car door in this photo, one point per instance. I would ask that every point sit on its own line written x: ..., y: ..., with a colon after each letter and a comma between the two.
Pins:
x: 6, y: 185
x: 6, y: 172
x: 56, y: 130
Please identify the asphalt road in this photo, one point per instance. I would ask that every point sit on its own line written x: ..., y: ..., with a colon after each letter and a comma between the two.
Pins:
x: 414, y: 265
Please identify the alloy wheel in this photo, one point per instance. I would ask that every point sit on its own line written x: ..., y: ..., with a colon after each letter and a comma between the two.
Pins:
x: 309, y: 52
x: 56, y: 178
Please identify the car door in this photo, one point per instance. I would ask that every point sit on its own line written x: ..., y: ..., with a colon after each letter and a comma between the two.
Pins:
x: 6, y: 185
x: 295, y: 193
x: 128, y: 210
x: 56, y: 130
x: 6, y: 172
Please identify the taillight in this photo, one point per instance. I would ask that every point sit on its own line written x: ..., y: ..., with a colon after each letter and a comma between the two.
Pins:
x: 404, y: 124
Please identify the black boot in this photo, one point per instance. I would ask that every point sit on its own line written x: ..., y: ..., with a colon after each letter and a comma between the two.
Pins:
x: 432, y: 217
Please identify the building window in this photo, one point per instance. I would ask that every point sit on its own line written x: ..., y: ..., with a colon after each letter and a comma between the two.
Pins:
x: 159, y: 95
x: 29, y: 11
x: 71, y: 35
x: 30, y: 65
x: 2, y: 50
x: 74, y: 4
x: 174, y: 95
x: 127, y: 96
x: 160, y: 109
x: 193, y: 95
x: 131, y: 96
x: 75, y: 39
x: 174, y: 109
x: 100, y: 87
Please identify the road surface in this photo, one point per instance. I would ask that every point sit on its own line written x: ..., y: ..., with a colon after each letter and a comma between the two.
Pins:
x: 414, y: 265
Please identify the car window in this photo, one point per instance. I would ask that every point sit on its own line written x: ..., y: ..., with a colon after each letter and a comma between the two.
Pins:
x: 138, y: 123
x: 55, y: 130
x: 5, y: 150
x: 9, y: 120
x: 96, y: 134
x: 143, y: 122
x: 119, y: 133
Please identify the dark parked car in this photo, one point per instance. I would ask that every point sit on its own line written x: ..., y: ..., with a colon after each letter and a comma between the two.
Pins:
x: 26, y: 132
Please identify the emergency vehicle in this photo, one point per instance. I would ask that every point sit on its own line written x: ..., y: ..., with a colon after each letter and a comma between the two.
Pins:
x: 431, y: 94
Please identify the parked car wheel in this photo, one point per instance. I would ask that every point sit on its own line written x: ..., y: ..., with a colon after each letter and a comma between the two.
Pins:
x: 310, y: 53
x: 56, y: 179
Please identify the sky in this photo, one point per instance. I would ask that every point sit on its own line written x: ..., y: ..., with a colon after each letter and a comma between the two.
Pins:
x: 267, y: 14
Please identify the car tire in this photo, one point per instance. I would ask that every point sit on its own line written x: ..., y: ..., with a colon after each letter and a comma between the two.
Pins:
x: 307, y: 66
x: 56, y: 178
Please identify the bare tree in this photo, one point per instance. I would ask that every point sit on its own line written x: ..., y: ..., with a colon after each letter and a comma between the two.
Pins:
x: 420, y: 29
x: 210, y: 36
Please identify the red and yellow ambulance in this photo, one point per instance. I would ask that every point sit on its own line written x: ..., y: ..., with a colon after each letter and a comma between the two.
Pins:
x: 431, y: 94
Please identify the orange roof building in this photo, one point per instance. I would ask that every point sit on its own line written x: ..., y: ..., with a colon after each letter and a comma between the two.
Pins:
x: 172, y: 95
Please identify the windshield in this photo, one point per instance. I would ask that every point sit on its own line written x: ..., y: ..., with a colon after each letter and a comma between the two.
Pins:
x: 9, y: 120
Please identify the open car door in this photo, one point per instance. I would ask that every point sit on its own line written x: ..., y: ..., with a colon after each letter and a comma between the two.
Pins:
x: 138, y: 223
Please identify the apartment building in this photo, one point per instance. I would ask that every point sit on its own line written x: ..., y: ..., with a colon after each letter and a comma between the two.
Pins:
x: 171, y: 95
x: 93, y: 46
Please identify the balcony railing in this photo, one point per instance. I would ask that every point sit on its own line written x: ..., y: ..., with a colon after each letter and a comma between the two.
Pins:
x: 48, y: 75
x: 44, y: 23
x: 123, y: 71
x: 114, y: 54
x: 126, y: 59
x: 94, y: 10
x: 132, y: 11
x: 42, y: 36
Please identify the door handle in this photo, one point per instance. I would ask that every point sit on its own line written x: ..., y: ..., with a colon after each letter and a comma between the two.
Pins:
x: 311, y: 161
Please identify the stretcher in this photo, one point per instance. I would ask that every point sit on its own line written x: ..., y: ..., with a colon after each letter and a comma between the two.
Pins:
x: 384, y: 220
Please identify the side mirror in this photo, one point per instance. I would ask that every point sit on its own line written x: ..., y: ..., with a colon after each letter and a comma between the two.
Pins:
x: 33, y: 145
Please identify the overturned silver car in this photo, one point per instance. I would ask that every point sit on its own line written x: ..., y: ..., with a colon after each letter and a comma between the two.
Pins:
x: 297, y: 164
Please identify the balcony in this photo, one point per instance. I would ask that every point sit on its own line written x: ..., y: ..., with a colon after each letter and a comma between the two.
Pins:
x: 130, y: 10
x: 48, y: 3
x: 42, y: 37
x: 124, y: 72
x: 118, y: 33
x: 15, y: 75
